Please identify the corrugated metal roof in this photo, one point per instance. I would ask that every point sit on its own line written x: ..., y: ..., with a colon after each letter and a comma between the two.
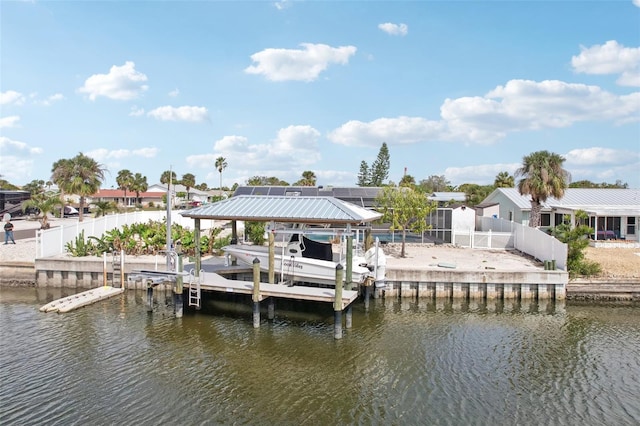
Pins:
x: 282, y: 208
x: 593, y: 200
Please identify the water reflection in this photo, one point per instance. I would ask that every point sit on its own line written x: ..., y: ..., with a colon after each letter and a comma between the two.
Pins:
x: 405, y: 361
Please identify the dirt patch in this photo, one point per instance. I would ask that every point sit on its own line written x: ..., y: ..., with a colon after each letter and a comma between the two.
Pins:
x: 616, y: 262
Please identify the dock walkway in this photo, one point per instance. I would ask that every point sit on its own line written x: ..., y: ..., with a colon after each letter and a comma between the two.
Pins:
x: 211, y: 281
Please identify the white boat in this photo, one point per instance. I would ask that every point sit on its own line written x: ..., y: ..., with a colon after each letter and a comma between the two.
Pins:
x: 301, y: 260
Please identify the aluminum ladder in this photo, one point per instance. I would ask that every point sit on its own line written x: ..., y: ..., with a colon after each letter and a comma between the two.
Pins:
x: 195, y: 296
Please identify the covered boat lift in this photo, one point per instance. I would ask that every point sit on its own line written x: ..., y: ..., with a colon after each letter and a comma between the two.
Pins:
x: 310, y: 210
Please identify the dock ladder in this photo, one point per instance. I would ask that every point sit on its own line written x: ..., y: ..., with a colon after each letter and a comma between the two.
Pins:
x: 117, y: 269
x: 195, y: 297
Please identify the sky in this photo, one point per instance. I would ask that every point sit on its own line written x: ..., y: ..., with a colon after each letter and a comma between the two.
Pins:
x: 463, y: 89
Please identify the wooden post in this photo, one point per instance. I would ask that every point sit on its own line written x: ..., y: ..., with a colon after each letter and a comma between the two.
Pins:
x: 104, y: 268
x: 349, y: 317
x: 272, y: 251
x: 256, y: 293
x: 337, y: 304
x: 196, y: 242
x: 121, y: 268
x: 177, y: 291
x: 149, y: 297
x: 348, y: 279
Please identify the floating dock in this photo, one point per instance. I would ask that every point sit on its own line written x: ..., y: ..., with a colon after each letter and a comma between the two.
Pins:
x: 69, y: 303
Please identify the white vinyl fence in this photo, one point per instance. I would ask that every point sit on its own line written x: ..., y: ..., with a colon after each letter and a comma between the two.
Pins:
x: 499, y: 233
x: 51, y: 242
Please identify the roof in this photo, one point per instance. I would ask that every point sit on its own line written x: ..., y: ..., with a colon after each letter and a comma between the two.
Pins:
x: 363, y: 196
x: 119, y: 193
x: 283, y: 208
x: 595, y: 201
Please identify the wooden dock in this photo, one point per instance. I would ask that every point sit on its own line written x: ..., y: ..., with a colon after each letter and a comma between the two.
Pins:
x: 211, y: 281
x: 69, y: 303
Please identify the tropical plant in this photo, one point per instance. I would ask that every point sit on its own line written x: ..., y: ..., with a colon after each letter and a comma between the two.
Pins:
x: 308, y: 179
x: 139, y: 185
x: 435, y: 183
x: 407, y: 180
x: 189, y: 181
x: 542, y: 177
x: 255, y: 232
x: 577, y: 239
x: 221, y: 164
x: 406, y: 209
x: 81, y: 175
x: 45, y: 205
x: 504, y: 180
x: 104, y: 207
x: 125, y: 182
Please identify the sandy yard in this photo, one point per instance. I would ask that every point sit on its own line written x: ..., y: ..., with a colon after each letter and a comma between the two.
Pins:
x: 616, y: 262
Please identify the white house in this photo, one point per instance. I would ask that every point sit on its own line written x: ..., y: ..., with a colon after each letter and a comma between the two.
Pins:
x: 613, y: 212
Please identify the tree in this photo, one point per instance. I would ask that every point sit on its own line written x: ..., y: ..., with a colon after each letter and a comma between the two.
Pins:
x: 408, y: 180
x: 380, y: 167
x: 139, y: 185
x: 577, y: 239
x: 35, y: 187
x: 221, y: 164
x: 308, y: 179
x: 504, y: 180
x: 435, y: 183
x: 125, y: 182
x: 542, y: 177
x: 589, y: 184
x: 168, y: 177
x: 265, y: 181
x: 189, y: 181
x: 81, y: 175
x: 406, y: 209
x: 475, y: 193
x: 45, y: 205
x: 363, y: 175
x: 104, y: 207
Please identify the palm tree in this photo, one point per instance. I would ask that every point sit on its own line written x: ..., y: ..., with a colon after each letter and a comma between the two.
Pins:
x: 189, y: 181
x: 81, y: 175
x: 221, y: 164
x: 542, y: 177
x: 308, y: 179
x: 61, y: 172
x: 125, y: 182
x: 104, y: 207
x: 139, y: 185
x: 168, y: 177
x: 45, y: 205
x: 504, y: 180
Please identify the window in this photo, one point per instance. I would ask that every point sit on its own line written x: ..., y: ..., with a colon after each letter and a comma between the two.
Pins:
x: 545, y: 219
x: 631, y: 226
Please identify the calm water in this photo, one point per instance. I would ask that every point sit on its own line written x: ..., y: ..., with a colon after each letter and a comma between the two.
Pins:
x: 402, y: 363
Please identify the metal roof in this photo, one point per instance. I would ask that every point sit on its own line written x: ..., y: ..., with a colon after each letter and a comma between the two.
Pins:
x: 595, y: 201
x: 284, y: 208
x: 448, y: 196
x: 363, y: 196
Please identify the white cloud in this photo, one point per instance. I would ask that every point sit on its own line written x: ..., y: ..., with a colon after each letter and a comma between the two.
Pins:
x: 183, y: 113
x: 136, y: 111
x: 283, y: 4
x: 174, y: 93
x: 11, y: 97
x: 400, y: 130
x: 520, y: 105
x: 610, y: 58
x: 304, y: 64
x: 481, y: 174
x: 10, y: 121
x: 636, y: 2
x: 122, y: 83
x: 600, y: 156
x: 13, y: 146
x: 50, y: 100
x: 103, y: 154
x: 394, y: 29
x: 294, y: 146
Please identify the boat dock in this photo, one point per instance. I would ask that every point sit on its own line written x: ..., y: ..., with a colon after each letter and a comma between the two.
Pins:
x: 70, y: 303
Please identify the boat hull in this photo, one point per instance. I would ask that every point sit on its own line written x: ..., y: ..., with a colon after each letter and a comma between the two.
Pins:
x: 294, y: 268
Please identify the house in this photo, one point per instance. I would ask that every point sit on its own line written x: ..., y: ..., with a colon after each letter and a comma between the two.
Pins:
x: 129, y: 199
x: 180, y: 196
x: 613, y: 212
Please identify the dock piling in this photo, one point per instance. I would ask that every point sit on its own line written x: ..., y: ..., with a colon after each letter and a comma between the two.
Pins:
x: 256, y: 293
x: 337, y: 304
